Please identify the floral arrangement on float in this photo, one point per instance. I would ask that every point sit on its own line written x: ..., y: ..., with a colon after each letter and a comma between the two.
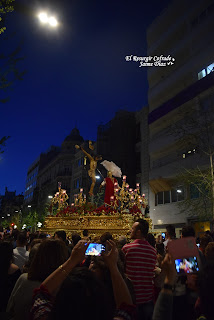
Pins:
x: 124, y: 201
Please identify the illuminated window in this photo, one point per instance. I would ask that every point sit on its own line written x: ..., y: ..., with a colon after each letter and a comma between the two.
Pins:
x: 210, y: 68
x: 204, y: 72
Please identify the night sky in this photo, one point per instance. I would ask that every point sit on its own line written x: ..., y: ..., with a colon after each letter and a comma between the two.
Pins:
x: 76, y: 75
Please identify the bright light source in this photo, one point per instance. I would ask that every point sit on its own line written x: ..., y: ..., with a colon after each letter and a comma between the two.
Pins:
x: 8, y: 215
x: 16, y: 211
x: 52, y: 22
x: 39, y: 224
x: 43, y: 17
x: 15, y: 226
x: 97, y: 177
x: 50, y: 197
x: 2, y: 217
x: 179, y: 191
x: 29, y: 206
x: 24, y: 226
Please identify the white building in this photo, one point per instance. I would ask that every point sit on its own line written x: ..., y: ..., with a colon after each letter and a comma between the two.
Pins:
x: 183, y: 31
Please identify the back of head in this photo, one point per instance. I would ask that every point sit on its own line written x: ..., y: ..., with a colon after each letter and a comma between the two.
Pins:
x: 206, y: 292
x: 143, y: 227
x: 160, y: 249
x: 49, y: 256
x: 151, y: 239
x: 85, y: 233
x: 122, y: 241
x: 188, y: 231
x: 209, y: 252
x: 105, y: 236
x: 61, y: 234
x: 170, y: 231
x: 205, y: 239
x: 75, y: 238
x: 21, y: 239
x: 42, y: 235
x: 83, y: 296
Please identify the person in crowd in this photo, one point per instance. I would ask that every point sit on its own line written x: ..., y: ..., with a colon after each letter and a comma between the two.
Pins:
x: 164, y: 305
x: 60, y: 235
x: 170, y: 234
x: 85, y: 235
x: 32, y: 253
x: 78, y: 291
x: 75, y: 238
x: 188, y: 231
x: 122, y: 240
x: 163, y: 309
x: 184, y: 297
x: 49, y: 255
x: 20, y: 253
x: 151, y: 239
x: 42, y: 235
x: 140, y: 264
x: 9, y: 273
x: 159, y: 238
x: 205, y: 239
x: 209, y: 252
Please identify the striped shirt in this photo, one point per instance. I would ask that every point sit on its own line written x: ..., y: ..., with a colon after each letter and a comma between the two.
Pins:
x: 140, y: 264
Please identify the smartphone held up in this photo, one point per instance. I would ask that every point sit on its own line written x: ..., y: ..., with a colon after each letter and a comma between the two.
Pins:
x: 95, y: 249
x: 185, y: 252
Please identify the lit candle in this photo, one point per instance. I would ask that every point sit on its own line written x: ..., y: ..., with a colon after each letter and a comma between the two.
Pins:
x: 143, y: 195
x: 124, y: 178
x: 127, y: 186
x: 132, y: 198
x: 72, y: 204
x: 112, y: 198
x: 130, y: 190
x: 116, y: 190
x: 81, y: 190
x: 84, y: 196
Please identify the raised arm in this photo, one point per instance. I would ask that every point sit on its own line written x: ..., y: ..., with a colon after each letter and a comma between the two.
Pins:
x: 86, y: 153
x: 120, y: 289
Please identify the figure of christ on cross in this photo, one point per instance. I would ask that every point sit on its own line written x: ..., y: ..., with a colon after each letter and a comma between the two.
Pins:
x: 93, y: 166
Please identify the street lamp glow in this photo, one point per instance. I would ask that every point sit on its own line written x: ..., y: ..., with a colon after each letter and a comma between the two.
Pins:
x: 50, y: 197
x: 43, y: 17
x: 97, y: 177
x: 29, y: 206
x: 53, y: 22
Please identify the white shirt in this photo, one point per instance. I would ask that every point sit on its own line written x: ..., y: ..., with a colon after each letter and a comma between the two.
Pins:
x: 20, y: 256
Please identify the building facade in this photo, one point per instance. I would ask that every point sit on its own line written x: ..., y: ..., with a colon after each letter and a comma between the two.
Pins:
x: 183, y: 31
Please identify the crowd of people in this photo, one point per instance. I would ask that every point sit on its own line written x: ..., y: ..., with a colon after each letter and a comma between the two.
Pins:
x: 50, y: 277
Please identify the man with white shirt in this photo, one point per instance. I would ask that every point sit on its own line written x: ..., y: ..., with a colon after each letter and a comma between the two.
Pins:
x: 20, y: 253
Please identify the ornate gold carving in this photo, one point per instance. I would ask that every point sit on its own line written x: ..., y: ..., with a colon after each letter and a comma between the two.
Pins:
x: 117, y: 225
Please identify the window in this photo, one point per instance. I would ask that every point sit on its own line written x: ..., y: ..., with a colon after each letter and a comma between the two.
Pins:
x: 204, y: 72
x: 76, y: 184
x: 80, y: 162
x: 160, y: 198
x: 166, y: 196
x: 174, y: 195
